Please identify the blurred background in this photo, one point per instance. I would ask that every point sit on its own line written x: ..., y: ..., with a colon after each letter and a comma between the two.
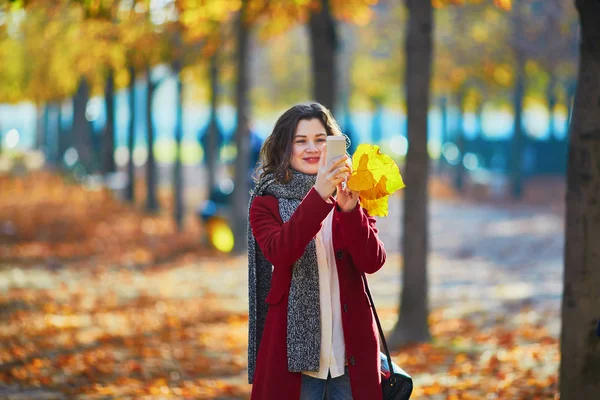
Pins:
x: 129, y: 130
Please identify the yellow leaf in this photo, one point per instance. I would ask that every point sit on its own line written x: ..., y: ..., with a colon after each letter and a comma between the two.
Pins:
x: 376, y: 208
x: 375, y: 176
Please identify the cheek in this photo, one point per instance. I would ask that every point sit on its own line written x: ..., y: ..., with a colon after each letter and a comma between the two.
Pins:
x: 297, y: 150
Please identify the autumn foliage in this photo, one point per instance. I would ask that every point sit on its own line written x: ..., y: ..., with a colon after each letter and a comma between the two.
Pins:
x: 46, y: 217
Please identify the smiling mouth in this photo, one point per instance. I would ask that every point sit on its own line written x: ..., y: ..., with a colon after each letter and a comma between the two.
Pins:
x: 311, y: 159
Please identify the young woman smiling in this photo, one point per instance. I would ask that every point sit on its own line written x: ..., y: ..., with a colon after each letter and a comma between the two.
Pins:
x: 311, y: 328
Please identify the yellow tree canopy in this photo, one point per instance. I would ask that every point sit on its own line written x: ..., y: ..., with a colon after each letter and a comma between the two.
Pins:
x: 45, y: 47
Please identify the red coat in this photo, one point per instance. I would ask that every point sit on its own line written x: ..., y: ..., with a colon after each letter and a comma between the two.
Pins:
x: 357, y: 249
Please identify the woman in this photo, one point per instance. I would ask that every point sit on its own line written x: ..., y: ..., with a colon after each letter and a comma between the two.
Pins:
x: 311, y: 327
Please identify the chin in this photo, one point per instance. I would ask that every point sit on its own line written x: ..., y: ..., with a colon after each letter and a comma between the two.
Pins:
x: 306, y: 168
x: 310, y: 170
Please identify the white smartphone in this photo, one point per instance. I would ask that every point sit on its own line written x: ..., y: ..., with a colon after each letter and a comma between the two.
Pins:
x: 336, y: 147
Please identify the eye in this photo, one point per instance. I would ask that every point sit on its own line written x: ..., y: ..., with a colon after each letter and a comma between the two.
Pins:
x: 299, y: 141
x: 321, y: 140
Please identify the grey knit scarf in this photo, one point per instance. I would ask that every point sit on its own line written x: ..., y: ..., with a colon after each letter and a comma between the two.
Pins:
x: 304, y: 320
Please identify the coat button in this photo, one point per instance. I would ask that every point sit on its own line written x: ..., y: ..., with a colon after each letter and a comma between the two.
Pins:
x: 339, y: 254
x: 352, y: 360
x: 345, y: 307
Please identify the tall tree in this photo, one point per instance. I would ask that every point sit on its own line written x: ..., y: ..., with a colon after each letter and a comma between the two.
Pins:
x: 178, y: 211
x: 211, y: 148
x: 580, y: 347
x: 518, y: 140
x: 323, y: 40
x: 130, y: 190
x: 81, y: 131
x: 108, y: 139
x: 242, y: 133
x: 151, y: 178
x: 412, y: 324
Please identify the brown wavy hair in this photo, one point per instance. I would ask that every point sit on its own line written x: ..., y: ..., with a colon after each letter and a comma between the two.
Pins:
x: 276, y: 152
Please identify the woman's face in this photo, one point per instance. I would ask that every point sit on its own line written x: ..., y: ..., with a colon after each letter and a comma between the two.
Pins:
x: 308, y: 140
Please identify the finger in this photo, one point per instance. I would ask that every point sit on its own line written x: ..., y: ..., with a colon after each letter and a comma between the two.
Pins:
x: 339, y: 172
x: 323, y: 159
x: 336, y: 163
x: 339, y: 177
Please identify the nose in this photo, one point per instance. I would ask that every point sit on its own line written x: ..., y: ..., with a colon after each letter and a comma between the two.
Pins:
x: 312, y: 147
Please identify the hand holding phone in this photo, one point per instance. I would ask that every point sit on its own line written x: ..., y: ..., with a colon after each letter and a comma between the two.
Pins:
x: 333, y: 166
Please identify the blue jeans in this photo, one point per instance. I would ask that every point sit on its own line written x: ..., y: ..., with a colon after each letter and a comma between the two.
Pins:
x: 336, y: 388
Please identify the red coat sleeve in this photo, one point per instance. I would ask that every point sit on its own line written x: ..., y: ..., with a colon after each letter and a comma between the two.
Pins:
x: 284, y: 243
x: 361, y: 239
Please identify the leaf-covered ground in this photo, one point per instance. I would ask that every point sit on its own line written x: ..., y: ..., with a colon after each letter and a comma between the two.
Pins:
x: 125, y: 330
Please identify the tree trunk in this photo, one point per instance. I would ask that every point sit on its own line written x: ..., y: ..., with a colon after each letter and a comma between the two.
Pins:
x: 130, y: 191
x: 41, y: 133
x: 444, y: 133
x: 551, y: 97
x: 412, y: 323
x: 82, y: 133
x: 211, y: 149
x: 151, y: 195
x: 459, y: 168
x: 516, y: 165
x: 178, y: 211
x: 518, y: 140
x: 323, y: 40
x: 242, y: 137
x: 108, y: 141
x: 52, y: 133
x: 61, y: 134
x: 580, y: 347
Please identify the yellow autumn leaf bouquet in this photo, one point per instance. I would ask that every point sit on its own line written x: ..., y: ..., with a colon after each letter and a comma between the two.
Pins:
x: 375, y: 176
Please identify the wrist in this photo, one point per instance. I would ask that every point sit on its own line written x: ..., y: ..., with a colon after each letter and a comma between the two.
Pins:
x: 321, y: 193
x: 348, y: 208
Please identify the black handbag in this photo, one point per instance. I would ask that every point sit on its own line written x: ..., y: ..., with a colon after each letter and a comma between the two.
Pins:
x: 398, y: 386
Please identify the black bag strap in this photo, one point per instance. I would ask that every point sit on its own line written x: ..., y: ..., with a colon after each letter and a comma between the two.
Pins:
x: 385, y: 346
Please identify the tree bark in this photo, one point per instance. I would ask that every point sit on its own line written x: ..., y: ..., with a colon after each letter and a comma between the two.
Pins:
x: 323, y: 40
x: 82, y: 133
x: 211, y: 150
x: 518, y: 139
x: 459, y: 168
x: 62, y: 134
x: 53, y: 133
x: 444, y: 133
x: 130, y: 191
x: 551, y: 97
x: 580, y: 347
x: 412, y: 324
x: 43, y: 134
x: 151, y: 184
x: 108, y: 141
x: 516, y: 164
x: 242, y: 137
x: 178, y: 211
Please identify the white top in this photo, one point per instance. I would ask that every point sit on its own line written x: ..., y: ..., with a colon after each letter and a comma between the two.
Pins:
x: 333, y: 349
